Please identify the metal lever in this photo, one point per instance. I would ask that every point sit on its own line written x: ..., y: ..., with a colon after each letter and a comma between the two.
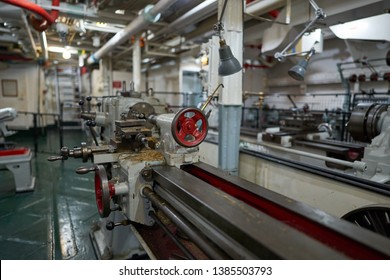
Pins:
x: 54, y: 158
x: 112, y: 225
x: 89, y: 98
x: 91, y: 124
x: 81, y: 103
x: 84, y: 170
x: 210, y: 97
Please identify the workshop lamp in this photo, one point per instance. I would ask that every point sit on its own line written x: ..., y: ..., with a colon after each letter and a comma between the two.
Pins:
x: 298, y: 71
x: 228, y: 64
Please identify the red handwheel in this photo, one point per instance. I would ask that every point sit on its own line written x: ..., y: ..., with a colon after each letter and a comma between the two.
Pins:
x: 189, y: 127
x: 104, y: 190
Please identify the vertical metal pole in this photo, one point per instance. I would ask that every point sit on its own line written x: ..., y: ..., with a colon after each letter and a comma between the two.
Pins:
x: 105, y: 72
x: 35, y: 116
x: 110, y: 74
x: 59, y: 109
x: 230, y: 103
x: 137, y: 65
x: 345, y: 83
x: 79, y: 81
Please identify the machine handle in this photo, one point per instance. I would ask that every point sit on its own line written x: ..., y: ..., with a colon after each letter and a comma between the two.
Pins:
x: 54, y: 158
x: 84, y: 170
x: 189, y: 127
x: 89, y: 98
x: 81, y: 103
x: 111, y: 225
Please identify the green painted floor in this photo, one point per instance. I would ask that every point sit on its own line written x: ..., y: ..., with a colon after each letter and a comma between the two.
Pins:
x: 53, y: 221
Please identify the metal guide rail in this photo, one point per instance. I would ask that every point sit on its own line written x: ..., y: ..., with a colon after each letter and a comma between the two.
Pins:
x: 226, y: 217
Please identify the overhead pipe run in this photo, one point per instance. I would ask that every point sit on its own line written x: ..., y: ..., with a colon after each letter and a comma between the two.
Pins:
x: 30, y: 36
x: 202, y: 11
x: 39, y: 24
x: 149, y: 15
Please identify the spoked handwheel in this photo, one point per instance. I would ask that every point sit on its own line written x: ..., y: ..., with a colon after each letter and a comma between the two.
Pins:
x: 103, y: 191
x: 189, y: 127
x: 375, y: 218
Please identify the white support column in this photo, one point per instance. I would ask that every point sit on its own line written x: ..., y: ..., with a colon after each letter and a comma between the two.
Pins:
x: 233, y: 34
x: 230, y: 102
x: 137, y: 65
x: 213, y: 78
x: 106, y: 74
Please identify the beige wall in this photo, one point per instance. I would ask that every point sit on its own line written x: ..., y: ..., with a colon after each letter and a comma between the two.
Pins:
x: 28, y: 89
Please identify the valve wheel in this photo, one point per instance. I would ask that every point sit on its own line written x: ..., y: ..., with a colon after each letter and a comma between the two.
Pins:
x: 102, y: 191
x: 189, y: 127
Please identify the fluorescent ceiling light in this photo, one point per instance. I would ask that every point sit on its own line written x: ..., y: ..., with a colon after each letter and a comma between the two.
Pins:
x: 102, y: 26
x: 66, y: 54
x: 57, y: 49
x: 120, y: 12
x: 371, y: 28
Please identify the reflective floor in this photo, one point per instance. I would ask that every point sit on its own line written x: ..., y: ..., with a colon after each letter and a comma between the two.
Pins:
x: 54, y: 220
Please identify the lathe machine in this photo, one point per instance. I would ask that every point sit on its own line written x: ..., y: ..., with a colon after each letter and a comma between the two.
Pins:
x: 155, y: 197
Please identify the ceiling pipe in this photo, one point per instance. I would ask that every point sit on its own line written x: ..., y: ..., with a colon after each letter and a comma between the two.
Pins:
x: 43, y: 40
x: 30, y: 36
x: 39, y: 24
x: 200, y: 12
x: 137, y: 25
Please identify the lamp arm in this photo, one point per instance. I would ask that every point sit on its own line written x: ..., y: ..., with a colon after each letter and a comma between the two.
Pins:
x: 314, y: 4
x: 281, y: 56
x: 223, y: 11
x: 292, y: 54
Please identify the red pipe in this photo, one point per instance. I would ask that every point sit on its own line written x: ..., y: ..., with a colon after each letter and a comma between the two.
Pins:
x: 39, y: 24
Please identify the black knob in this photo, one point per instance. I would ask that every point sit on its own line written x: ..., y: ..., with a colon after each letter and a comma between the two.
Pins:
x: 81, y: 103
x: 110, y: 225
x: 89, y: 98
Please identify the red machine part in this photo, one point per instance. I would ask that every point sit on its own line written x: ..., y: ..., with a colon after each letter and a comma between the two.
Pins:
x: 39, y: 24
x: 189, y: 127
x: 104, y: 191
x: 14, y: 152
